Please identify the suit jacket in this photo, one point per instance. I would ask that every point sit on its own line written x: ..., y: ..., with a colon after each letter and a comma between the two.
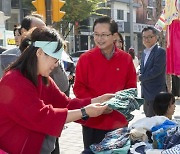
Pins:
x: 152, y: 75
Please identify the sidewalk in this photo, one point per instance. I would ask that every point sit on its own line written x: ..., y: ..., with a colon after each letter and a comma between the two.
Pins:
x: 71, y: 137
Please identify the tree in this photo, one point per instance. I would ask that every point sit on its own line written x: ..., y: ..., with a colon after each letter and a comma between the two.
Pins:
x: 77, y: 11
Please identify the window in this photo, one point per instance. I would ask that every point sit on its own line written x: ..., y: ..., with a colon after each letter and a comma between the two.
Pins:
x: 150, y: 3
x: 128, y: 16
x: 149, y: 12
x: 15, y: 4
x: 120, y: 14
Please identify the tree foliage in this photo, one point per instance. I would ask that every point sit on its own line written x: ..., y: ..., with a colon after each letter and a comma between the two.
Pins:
x: 78, y: 10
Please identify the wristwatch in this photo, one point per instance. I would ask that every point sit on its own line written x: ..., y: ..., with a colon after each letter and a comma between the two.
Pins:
x: 85, y: 116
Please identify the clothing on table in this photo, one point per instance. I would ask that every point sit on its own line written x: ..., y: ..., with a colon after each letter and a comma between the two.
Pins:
x: 138, y: 134
x: 113, y: 140
x: 92, y: 136
x: 27, y: 111
x: 148, y: 122
x: 125, y: 101
x: 173, y: 138
x: 159, y: 133
x: 138, y: 148
x: 173, y: 150
x: 96, y: 75
x: 123, y: 150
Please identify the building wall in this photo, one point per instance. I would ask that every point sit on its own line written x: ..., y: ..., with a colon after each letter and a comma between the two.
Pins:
x: 124, y: 25
x: 141, y: 12
x: 13, y: 20
x: 122, y: 6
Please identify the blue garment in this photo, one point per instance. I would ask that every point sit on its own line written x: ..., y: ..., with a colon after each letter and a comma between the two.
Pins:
x: 159, y: 133
x: 172, y: 139
x: 113, y: 140
x: 123, y: 150
x: 138, y: 148
x: 165, y: 125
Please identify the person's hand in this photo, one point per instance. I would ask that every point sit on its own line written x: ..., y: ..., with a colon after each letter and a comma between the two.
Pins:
x: 70, y: 77
x: 94, y: 110
x: 107, y: 110
x: 102, y: 98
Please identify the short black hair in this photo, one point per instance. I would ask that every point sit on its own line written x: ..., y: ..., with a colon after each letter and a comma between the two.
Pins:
x: 26, y: 22
x: 113, y: 25
x: 161, y: 103
x: 150, y: 28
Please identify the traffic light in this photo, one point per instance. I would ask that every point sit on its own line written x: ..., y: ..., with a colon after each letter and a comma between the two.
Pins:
x: 40, y: 7
x: 57, y: 15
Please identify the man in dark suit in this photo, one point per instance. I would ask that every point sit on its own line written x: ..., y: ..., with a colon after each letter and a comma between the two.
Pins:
x: 152, y: 69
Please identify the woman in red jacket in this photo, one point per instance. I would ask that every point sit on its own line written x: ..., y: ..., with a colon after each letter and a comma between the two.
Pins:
x: 33, y: 110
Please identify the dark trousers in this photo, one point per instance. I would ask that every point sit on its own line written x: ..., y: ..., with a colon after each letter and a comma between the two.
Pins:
x: 148, y: 108
x: 91, y: 136
x: 56, y: 150
x: 175, y: 85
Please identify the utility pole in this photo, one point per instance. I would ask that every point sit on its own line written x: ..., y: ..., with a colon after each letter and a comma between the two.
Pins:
x: 20, y: 10
x: 131, y: 22
x: 48, y: 12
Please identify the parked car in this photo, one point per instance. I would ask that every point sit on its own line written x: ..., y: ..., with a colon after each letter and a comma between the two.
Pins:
x: 75, y: 56
x: 2, y: 49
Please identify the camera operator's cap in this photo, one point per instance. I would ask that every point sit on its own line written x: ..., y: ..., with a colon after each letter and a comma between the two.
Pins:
x: 49, y: 48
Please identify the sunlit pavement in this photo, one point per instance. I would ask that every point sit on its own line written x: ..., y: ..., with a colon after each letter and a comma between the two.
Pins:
x: 71, y: 137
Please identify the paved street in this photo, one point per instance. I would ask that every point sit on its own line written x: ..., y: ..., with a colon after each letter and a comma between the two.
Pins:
x: 71, y: 137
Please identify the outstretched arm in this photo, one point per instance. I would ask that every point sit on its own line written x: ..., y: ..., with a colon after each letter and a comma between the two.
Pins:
x: 93, y: 110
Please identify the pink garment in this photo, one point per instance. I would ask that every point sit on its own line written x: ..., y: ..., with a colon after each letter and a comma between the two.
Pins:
x: 173, y: 53
x: 2, y: 152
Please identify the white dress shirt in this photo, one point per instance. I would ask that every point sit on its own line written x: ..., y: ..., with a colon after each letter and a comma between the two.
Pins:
x: 147, y: 52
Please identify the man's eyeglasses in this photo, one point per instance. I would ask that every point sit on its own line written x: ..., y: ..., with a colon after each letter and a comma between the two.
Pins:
x: 148, y: 37
x: 103, y: 36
